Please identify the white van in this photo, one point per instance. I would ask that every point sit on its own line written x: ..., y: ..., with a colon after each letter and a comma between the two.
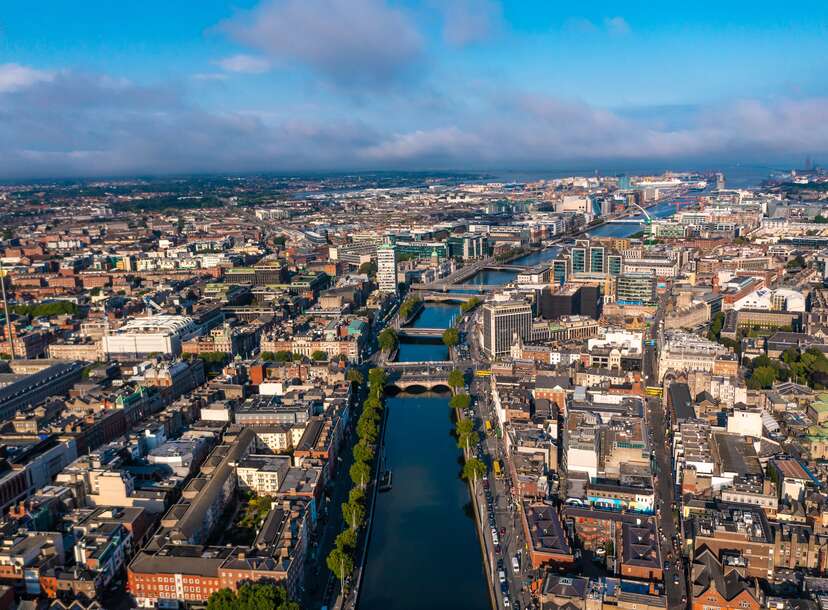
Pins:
x: 515, y: 564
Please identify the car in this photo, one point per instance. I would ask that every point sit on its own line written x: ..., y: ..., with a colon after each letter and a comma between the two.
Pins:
x: 502, y: 531
x: 515, y: 564
x: 500, y: 563
x: 501, y: 575
x: 675, y: 579
x: 505, y: 602
x: 666, y: 566
x: 497, y: 549
x: 495, y: 539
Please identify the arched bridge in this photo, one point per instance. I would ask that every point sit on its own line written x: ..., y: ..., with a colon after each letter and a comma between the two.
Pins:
x: 425, y: 375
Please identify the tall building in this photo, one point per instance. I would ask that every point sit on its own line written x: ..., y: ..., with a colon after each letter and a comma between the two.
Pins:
x: 387, y: 268
x: 615, y: 264
x: 560, y: 271
x: 596, y: 259
x: 579, y: 260
x: 501, y: 322
x: 636, y: 289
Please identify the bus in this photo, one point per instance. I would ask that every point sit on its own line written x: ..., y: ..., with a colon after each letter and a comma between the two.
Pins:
x: 488, y: 427
x: 496, y: 468
x: 483, y: 373
x: 652, y: 390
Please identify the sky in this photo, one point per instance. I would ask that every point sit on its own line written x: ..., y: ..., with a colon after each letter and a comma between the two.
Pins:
x: 102, y: 88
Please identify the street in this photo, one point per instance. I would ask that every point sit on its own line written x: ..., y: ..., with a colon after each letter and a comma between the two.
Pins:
x: 663, y: 480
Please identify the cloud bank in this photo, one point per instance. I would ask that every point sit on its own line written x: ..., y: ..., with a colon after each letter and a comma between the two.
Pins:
x: 71, y: 123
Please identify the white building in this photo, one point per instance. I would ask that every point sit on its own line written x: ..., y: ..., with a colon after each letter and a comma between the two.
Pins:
x: 387, y: 268
x: 745, y: 422
x: 159, y: 334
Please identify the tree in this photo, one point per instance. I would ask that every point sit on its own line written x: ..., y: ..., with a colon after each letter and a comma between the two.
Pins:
x: 451, y: 337
x: 353, y: 513
x: 369, y: 268
x: 341, y: 563
x: 360, y: 473
x: 470, y: 305
x: 346, y: 540
x: 408, y: 306
x: 297, y: 357
x: 356, y: 494
x: 363, y: 452
x: 473, y: 469
x: 372, y: 403
x: 283, y: 356
x: 456, y: 379
x: 460, y: 401
x: 716, y: 327
x: 387, y: 340
x: 762, y: 377
x: 319, y: 355
x: 371, y: 415
x: 377, y: 377
x: 354, y: 375
x: 252, y: 596
x: 367, y: 430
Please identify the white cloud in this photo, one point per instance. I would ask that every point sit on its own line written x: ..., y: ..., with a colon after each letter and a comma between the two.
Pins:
x: 248, y: 64
x: 14, y: 77
x: 617, y: 26
x: 469, y: 21
x: 351, y: 43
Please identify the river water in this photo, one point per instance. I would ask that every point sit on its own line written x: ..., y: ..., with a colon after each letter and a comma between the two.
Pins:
x: 424, y: 550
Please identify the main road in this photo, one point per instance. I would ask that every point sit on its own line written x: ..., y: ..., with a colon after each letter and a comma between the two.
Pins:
x: 659, y: 423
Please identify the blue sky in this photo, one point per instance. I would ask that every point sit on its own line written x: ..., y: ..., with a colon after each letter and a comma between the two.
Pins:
x: 102, y: 87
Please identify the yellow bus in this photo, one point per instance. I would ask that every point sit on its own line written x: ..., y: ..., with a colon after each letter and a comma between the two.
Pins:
x: 654, y: 391
x: 483, y: 373
x: 488, y: 426
x: 496, y: 468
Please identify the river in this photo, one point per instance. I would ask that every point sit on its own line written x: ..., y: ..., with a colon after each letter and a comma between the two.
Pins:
x: 424, y: 551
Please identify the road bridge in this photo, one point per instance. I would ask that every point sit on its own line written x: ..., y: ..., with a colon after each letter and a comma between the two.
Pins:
x: 427, y: 333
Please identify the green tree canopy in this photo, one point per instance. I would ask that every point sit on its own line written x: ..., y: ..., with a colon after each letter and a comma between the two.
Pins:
x: 346, y: 540
x: 353, y: 513
x: 473, y: 469
x: 340, y: 562
x: 283, y: 356
x: 319, y: 355
x: 387, y: 339
x: 470, y: 305
x: 460, y: 401
x: 252, y: 596
x: 762, y: 377
x: 363, y: 452
x: 377, y: 377
x: 367, y: 430
x: 369, y: 268
x: 360, y: 473
x: 456, y: 379
x: 357, y: 494
x: 451, y: 337
x: 354, y: 375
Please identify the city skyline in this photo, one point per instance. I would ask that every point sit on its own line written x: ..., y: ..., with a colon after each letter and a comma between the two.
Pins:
x: 283, y: 85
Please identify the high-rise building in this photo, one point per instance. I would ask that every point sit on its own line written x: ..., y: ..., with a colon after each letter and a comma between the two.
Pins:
x: 578, y: 260
x: 387, y: 268
x: 502, y: 322
x: 596, y: 259
x: 636, y: 289
x: 615, y: 264
x: 560, y: 271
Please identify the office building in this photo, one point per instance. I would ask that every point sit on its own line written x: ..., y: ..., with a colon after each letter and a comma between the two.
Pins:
x: 636, y: 289
x: 387, y: 268
x: 578, y: 259
x: 502, y: 322
x: 615, y: 264
x: 596, y: 259
x: 560, y: 271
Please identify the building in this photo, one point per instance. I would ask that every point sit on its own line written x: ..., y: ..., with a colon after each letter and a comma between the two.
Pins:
x: 501, y: 323
x: 387, y: 268
x: 635, y: 289
x: 140, y: 337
